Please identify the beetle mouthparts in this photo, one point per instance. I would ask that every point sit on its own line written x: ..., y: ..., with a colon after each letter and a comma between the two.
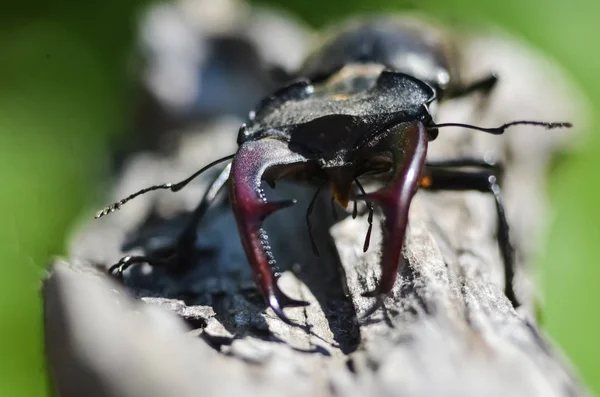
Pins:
x: 340, y: 183
x: 341, y: 196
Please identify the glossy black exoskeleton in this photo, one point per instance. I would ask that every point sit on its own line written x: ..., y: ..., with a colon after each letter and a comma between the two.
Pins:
x: 359, y: 107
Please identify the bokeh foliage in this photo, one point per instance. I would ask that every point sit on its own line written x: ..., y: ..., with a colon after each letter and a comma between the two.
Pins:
x: 64, y: 92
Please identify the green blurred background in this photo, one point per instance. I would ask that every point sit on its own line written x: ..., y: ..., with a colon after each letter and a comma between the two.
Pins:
x: 64, y: 93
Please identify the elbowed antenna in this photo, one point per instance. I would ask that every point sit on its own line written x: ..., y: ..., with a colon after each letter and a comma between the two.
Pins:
x: 500, y: 130
x: 174, y: 187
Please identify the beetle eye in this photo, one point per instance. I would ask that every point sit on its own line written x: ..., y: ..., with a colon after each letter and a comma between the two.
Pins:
x: 376, y: 164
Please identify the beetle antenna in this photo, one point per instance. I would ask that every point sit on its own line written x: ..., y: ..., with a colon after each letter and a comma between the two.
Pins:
x: 174, y: 187
x: 500, y: 130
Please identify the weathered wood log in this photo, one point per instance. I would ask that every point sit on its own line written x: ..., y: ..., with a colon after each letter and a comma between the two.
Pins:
x: 446, y: 328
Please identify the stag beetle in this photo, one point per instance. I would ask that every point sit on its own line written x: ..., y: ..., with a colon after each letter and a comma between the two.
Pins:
x: 359, y: 107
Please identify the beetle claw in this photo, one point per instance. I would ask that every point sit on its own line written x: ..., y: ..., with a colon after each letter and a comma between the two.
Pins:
x: 276, y: 307
x: 285, y: 300
x: 116, y: 270
x: 123, y: 264
x: 278, y: 301
x: 376, y: 306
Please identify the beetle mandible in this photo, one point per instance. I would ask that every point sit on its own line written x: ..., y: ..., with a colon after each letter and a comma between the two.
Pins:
x: 358, y: 107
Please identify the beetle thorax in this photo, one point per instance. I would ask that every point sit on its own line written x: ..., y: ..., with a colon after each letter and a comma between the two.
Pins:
x: 332, y: 140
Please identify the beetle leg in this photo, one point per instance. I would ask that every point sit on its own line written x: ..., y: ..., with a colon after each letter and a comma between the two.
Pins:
x: 467, y: 162
x: 369, y: 219
x: 124, y: 263
x: 250, y: 207
x: 309, y: 225
x: 483, y: 178
x: 484, y: 85
x: 395, y: 199
x: 178, y: 256
x: 187, y: 237
x: 334, y: 214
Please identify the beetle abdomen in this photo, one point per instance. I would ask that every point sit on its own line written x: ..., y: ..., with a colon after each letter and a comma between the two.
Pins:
x: 402, y: 44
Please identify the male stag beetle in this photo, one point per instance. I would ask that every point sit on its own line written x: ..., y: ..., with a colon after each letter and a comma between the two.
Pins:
x: 359, y: 107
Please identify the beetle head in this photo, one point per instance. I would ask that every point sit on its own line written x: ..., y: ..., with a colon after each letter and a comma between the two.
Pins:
x: 352, y: 124
x: 345, y: 148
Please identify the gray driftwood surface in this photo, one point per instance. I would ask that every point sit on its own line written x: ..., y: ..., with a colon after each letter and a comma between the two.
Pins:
x: 445, y: 330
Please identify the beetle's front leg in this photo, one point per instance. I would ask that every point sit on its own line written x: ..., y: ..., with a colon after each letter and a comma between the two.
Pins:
x: 250, y: 206
x: 178, y: 256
